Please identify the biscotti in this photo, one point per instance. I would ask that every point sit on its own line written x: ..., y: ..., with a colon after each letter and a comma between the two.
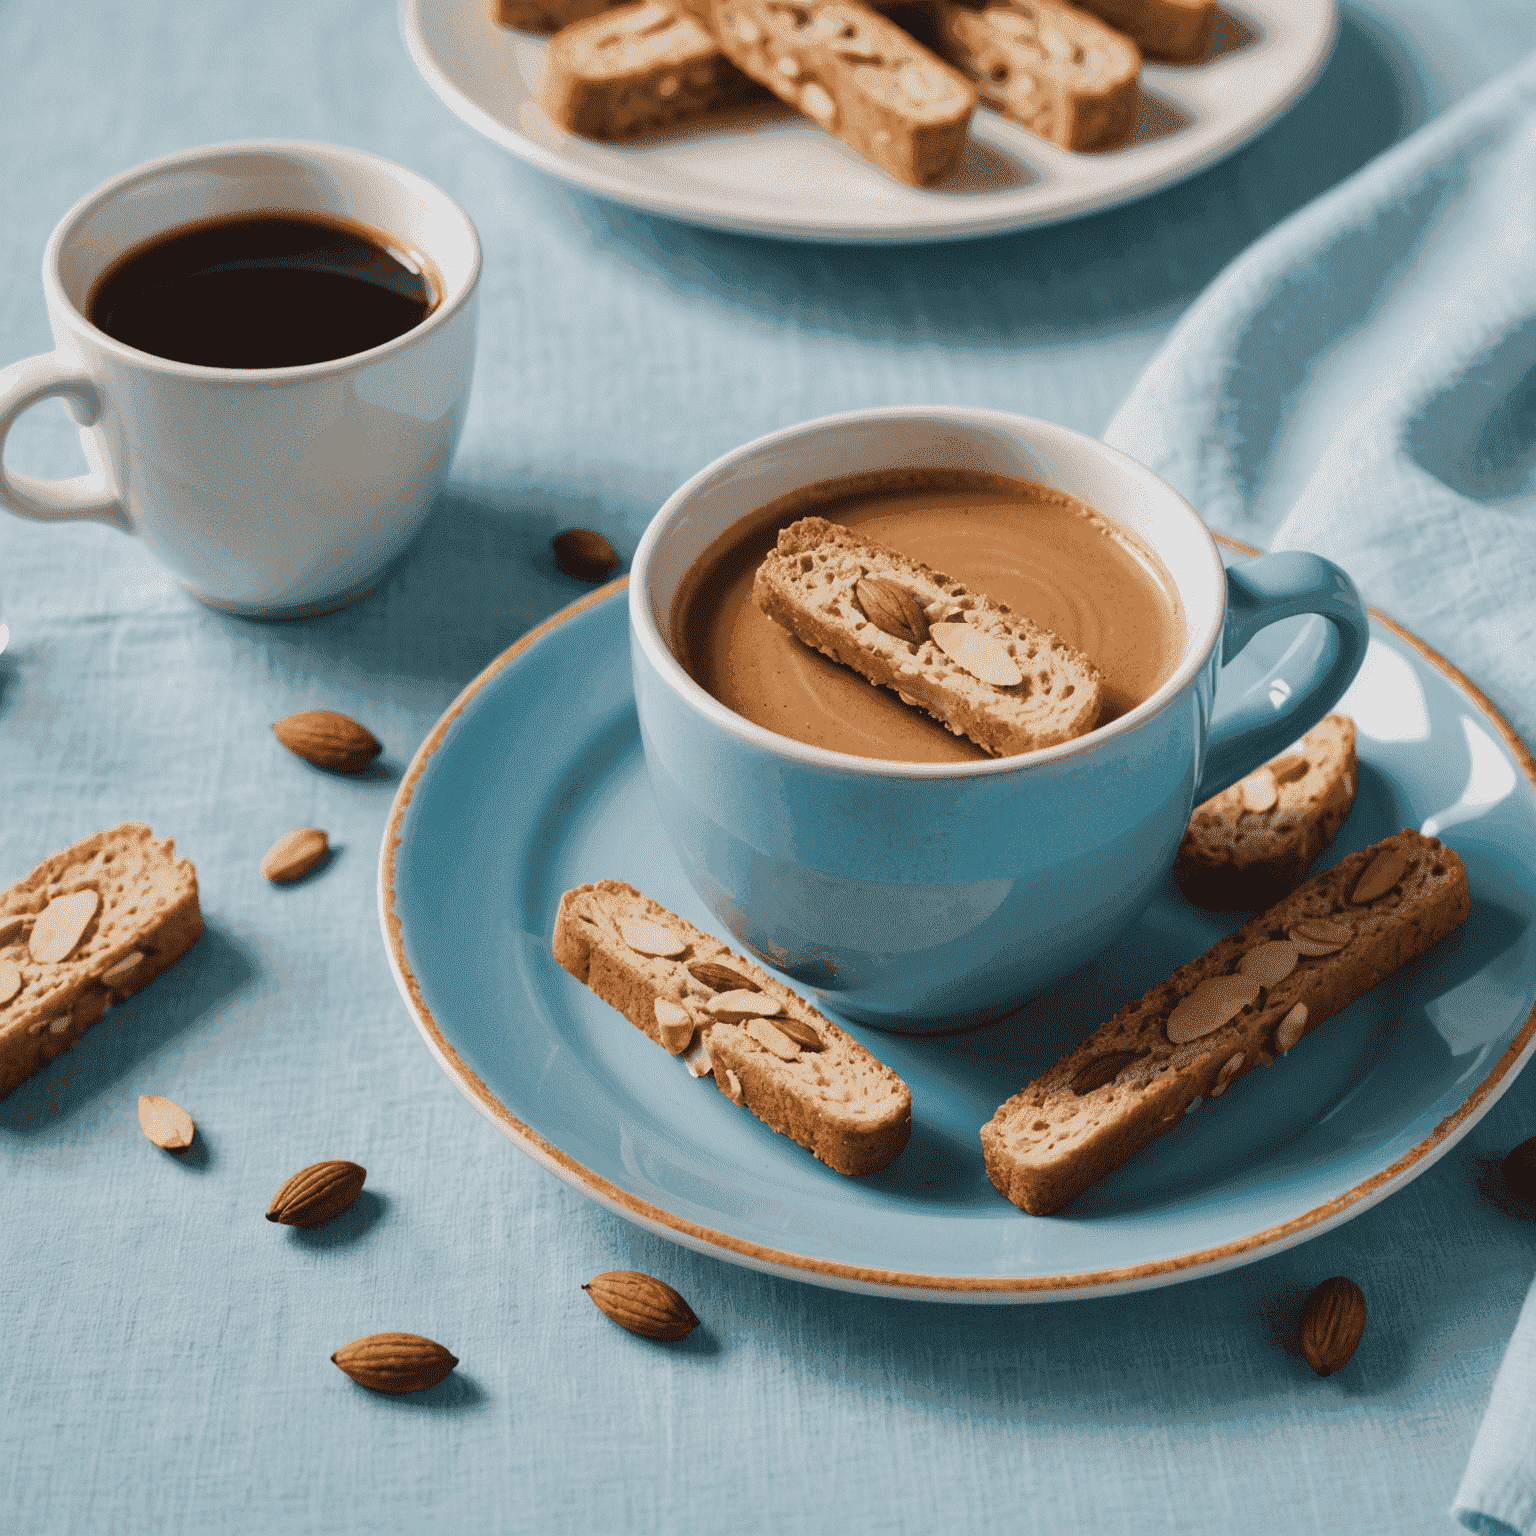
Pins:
x: 87, y: 928
x: 983, y: 671
x: 544, y: 15
x: 634, y: 69
x: 855, y: 73
x: 1252, y: 994
x: 768, y: 1048
x: 1249, y: 845
x: 1163, y: 29
x: 1057, y: 70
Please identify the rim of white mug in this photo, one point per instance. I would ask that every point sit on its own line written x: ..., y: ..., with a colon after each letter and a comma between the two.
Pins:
x: 1199, y: 642
x: 334, y: 155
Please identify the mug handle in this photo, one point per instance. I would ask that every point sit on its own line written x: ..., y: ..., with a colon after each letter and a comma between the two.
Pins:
x: 22, y: 385
x: 1261, y: 592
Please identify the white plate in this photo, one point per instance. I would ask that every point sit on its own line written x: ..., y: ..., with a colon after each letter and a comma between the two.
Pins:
x: 772, y: 172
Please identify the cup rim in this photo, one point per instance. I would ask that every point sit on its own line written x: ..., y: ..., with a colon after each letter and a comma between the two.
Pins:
x: 658, y: 652
x: 313, y: 150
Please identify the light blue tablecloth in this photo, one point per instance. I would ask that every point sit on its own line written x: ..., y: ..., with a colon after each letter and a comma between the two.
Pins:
x: 166, y: 1364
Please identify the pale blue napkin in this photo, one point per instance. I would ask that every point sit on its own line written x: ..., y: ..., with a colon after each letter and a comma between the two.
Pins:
x: 1362, y: 382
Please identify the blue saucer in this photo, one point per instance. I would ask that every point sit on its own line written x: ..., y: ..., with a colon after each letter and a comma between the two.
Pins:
x: 534, y: 782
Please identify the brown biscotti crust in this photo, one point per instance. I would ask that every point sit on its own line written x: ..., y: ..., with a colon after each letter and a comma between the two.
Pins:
x: 633, y: 69
x: 807, y: 584
x: 1163, y: 29
x: 1128, y: 1082
x: 854, y: 72
x: 543, y: 15
x: 1235, y: 858
x: 148, y: 906
x: 1057, y: 70
x: 839, y: 1103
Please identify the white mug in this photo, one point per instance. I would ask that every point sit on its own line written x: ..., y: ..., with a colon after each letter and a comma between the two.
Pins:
x: 271, y: 492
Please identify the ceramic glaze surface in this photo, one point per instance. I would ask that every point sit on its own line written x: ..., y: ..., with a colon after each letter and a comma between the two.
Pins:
x: 269, y: 491
x: 538, y: 784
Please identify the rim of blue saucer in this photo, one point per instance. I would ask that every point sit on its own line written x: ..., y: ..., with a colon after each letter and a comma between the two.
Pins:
x: 893, y: 1282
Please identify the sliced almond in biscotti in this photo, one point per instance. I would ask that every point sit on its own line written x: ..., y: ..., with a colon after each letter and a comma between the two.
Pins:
x: 816, y: 584
x: 636, y: 68
x: 768, y: 1048
x: 1249, y: 845
x: 855, y: 73
x: 1162, y: 29
x: 1057, y: 70
x: 85, y: 929
x: 1253, y: 993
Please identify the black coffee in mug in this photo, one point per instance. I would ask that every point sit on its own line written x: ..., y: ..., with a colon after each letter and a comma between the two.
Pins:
x: 262, y: 290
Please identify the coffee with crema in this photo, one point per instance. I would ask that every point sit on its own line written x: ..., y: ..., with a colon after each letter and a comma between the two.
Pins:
x: 1042, y: 552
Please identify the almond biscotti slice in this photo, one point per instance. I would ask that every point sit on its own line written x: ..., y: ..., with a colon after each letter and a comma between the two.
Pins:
x: 983, y: 671
x: 1249, y: 845
x: 633, y: 69
x: 1057, y: 70
x: 1179, y: 30
x: 544, y: 15
x: 87, y: 928
x: 1253, y: 993
x: 857, y: 74
x: 768, y: 1048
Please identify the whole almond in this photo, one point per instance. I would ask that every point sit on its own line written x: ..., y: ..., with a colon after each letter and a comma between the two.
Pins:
x: 394, y: 1362
x: 800, y: 1032
x: 1520, y: 1171
x: 642, y: 1304
x: 584, y: 554
x: 978, y: 653
x: 316, y: 1194
x: 294, y: 854
x: 61, y: 924
x: 891, y: 608
x: 166, y: 1124
x: 328, y: 740
x: 1383, y: 872
x: 1332, y: 1320
x: 721, y: 978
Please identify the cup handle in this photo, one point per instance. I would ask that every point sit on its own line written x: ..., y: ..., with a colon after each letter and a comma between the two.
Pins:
x: 54, y: 501
x: 1261, y: 592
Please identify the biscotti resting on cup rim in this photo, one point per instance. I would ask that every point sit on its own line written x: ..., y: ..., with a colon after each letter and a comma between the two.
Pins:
x: 87, y: 928
x: 543, y: 15
x: 855, y: 73
x: 980, y: 669
x: 636, y: 68
x: 1249, y: 845
x: 1255, y: 993
x: 1163, y: 29
x: 767, y: 1047
x: 1058, y: 71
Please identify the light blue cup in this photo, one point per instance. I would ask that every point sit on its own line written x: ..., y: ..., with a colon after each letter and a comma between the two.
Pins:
x: 919, y: 896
